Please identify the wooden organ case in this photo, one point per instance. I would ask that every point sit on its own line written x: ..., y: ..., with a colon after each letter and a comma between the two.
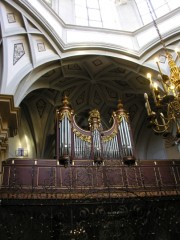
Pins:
x: 74, y: 143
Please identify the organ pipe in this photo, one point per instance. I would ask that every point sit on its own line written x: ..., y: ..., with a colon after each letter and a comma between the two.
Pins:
x: 95, y: 128
x: 65, y: 114
x: 124, y: 134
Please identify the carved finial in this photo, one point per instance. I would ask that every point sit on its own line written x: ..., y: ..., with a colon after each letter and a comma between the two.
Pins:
x: 65, y: 101
x: 65, y: 109
x: 120, y: 105
x: 120, y: 111
x: 94, y: 119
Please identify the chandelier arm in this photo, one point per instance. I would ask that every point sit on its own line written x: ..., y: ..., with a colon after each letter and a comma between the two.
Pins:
x: 162, y: 76
x: 168, y: 119
x: 161, y: 125
x: 160, y: 128
x: 160, y: 131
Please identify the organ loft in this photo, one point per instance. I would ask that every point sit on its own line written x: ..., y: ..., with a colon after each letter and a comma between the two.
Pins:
x: 94, y: 188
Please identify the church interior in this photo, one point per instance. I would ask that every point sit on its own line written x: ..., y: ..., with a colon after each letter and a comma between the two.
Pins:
x: 89, y: 119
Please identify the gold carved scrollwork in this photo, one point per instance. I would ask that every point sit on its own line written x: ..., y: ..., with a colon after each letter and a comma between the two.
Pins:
x: 121, y: 117
x: 64, y: 113
x: 82, y: 136
x: 121, y: 114
x: 109, y: 137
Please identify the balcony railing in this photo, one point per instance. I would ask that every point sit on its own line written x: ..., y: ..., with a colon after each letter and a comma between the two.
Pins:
x: 42, y: 179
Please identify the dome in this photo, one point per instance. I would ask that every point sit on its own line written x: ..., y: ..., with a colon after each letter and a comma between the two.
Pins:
x: 127, y: 15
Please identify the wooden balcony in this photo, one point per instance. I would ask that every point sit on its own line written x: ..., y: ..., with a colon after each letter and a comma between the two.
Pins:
x: 46, y: 179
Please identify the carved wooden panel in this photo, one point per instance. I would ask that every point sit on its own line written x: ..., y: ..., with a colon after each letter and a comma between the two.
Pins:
x: 86, y: 179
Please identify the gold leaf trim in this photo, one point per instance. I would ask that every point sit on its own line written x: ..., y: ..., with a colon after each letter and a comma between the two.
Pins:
x: 63, y: 114
x: 82, y: 136
x: 109, y: 137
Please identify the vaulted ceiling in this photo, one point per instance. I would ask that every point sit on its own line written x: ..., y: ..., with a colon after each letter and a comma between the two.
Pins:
x: 92, y: 82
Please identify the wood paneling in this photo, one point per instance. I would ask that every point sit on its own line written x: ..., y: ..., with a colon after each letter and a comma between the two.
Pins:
x: 47, y: 175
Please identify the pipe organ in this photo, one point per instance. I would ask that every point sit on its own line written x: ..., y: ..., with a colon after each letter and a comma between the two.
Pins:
x: 75, y: 143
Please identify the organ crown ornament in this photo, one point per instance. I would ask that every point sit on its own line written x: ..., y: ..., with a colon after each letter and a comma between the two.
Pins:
x: 65, y: 109
x: 94, y: 119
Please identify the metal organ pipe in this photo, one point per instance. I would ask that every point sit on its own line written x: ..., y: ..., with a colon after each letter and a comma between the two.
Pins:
x: 65, y: 136
x: 96, y: 143
x: 64, y: 118
x: 117, y: 147
x: 125, y: 129
x: 125, y: 135
x: 81, y: 148
x: 111, y: 148
x: 61, y: 137
x: 95, y: 128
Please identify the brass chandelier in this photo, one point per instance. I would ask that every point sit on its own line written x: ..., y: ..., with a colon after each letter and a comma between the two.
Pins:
x: 164, y: 117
